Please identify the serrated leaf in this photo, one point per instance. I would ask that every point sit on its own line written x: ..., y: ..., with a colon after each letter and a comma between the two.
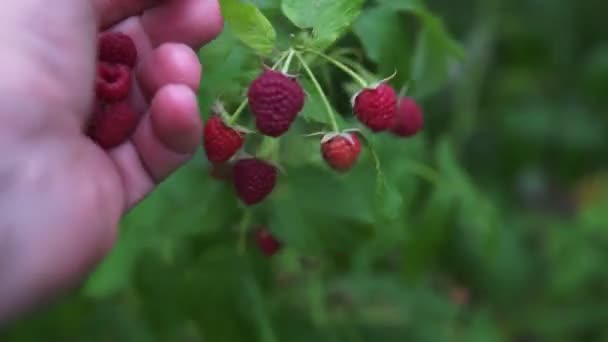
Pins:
x: 328, y: 19
x: 250, y: 25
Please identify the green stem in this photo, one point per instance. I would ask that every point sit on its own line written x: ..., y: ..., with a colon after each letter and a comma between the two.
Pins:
x: 269, y: 149
x: 238, y: 112
x: 243, y: 227
x: 341, y: 66
x: 380, y: 180
x: 285, y: 68
x: 313, y: 79
x: 233, y: 119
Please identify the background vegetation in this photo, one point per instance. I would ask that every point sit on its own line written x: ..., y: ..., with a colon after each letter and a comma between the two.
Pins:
x: 492, y: 225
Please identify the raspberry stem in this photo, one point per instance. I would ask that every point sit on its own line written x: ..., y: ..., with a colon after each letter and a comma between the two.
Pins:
x: 290, y: 54
x: 269, y: 149
x: 342, y: 67
x: 243, y: 227
x: 311, y: 75
x: 233, y: 119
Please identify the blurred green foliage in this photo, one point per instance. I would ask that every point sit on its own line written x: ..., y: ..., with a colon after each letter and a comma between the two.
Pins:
x: 490, y: 226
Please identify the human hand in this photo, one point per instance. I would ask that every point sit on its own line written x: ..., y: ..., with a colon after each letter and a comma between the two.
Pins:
x: 61, y: 196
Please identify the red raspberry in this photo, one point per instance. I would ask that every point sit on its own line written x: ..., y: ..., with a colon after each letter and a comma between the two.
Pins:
x: 340, y: 152
x: 113, y: 124
x: 376, y: 107
x: 113, y: 82
x: 254, y: 180
x: 267, y: 243
x: 221, y: 142
x: 275, y: 99
x: 117, y: 48
x: 409, y: 119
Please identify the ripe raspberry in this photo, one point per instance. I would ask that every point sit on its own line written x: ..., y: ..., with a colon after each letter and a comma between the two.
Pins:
x: 267, y: 243
x: 117, y: 48
x: 221, y: 142
x: 340, y: 152
x: 376, y: 107
x: 254, y: 180
x: 275, y: 99
x: 408, y: 120
x: 113, y: 82
x: 113, y: 124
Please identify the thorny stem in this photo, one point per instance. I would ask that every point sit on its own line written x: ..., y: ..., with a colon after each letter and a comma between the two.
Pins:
x: 341, y: 66
x: 311, y: 75
x: 233, y: 119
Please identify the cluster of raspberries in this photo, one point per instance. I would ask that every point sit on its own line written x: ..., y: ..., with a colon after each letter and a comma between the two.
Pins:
x: 114, y: 118
x: 275, y: 99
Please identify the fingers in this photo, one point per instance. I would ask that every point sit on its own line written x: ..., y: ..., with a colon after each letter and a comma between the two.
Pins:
x: 165, y: 139
x: 174, y: 130
x: 111, y: 12
x: 192, y: 22
x: 169, y: 64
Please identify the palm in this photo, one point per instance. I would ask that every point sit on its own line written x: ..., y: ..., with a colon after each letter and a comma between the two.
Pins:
x: 67, y: 194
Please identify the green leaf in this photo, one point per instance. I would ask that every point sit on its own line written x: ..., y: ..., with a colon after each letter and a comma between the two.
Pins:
x: 250, y: 25
x: 379, y: 29
x: 328, y: 19
x: 415, y: 6
x: 435, y: 53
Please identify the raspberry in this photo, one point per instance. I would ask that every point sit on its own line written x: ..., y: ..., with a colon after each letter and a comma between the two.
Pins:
x: 254, y: 180
x: 113, y: 82
x: 113, y: 124
x: 221, y: 142
x: 267, y: 243
x: 117, y: 48
x: 340, y: 152
x: 275, y: 99
x: 409, y: 119
x: 376, y: 107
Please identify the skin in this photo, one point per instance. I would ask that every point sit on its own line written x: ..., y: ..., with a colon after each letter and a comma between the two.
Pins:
x: 62, y: 197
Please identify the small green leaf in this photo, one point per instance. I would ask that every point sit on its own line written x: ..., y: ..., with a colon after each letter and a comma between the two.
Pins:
x: 328, y: 19
x: 250, y: 25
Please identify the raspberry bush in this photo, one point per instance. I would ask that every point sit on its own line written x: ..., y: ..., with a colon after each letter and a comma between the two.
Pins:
x: 365, y: 176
